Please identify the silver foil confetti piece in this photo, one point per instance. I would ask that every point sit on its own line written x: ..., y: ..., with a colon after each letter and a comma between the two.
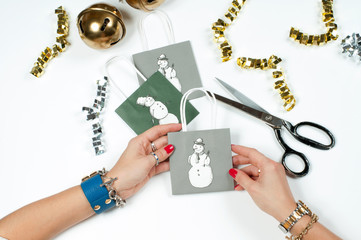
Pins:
x: 352, y: 45
x: 99, y: 150
x: 93, y: 115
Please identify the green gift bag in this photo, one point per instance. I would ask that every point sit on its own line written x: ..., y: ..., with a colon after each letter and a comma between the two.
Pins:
x: 155, y: 102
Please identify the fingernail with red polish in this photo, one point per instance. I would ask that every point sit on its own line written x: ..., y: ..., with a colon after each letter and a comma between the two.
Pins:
x: 233, y: 172
x: 169, y: 148
x: 236, y: 186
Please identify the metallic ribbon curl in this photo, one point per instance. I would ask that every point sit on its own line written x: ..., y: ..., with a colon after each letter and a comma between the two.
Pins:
x: 220, y: 26
x: 277, y: 73
x: 352, y: 45
x: 93, y: 115
x: 59, y: 46
x: 321, y: 39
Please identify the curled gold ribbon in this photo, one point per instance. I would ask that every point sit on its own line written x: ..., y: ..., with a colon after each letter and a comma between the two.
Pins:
x: 277, y: 73
x: 221, y: 25
x: 59, y: 46
x: 219, y: 28
x: 321, y: 39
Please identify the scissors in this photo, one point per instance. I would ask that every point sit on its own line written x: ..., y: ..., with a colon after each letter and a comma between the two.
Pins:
x: 277, y: 124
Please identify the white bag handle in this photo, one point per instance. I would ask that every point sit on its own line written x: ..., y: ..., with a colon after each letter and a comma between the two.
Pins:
x: 120, y: 58
x: 166, y: 23
x: 183, y: 104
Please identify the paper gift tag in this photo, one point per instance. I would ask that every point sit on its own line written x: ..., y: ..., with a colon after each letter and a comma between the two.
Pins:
x: 155, y: 102
x: 175, y: 61
x: 201, y: 159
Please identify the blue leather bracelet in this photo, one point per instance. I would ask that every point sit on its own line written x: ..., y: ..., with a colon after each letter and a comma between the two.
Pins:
x: 97, y: 195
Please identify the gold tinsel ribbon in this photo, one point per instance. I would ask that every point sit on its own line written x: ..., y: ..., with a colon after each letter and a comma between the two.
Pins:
x: 277, y: 73
x: 220, y: 26
x: 272, y: 62
x: 59, y: 46
x: 328, y: 19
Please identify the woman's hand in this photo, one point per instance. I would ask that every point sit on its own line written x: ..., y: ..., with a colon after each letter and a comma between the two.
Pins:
x: 265, y: 180
x: 136, y: 165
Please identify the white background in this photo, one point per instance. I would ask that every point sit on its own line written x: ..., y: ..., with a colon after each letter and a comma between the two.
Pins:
x: 45, y: 144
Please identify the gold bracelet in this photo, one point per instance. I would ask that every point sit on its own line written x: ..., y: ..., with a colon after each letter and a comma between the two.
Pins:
x: 314, y: 219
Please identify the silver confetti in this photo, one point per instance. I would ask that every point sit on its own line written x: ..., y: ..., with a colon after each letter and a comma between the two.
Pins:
x: 93, y: 114
x: 352, y: 45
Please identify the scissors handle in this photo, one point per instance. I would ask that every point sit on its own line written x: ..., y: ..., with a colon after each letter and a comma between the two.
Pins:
x: 288, y: 152
x: 294, y: 132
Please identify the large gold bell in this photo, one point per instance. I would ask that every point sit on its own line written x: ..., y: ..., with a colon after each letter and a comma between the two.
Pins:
x: 145, y: 5
x: 101, y: 26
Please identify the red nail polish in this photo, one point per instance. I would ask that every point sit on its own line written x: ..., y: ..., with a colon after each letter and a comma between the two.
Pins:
x: 236, y: 186
x: 233, y: 172
x: 169, y: 148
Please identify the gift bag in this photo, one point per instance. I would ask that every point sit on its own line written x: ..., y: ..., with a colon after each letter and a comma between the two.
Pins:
x: 201, y: 159
x: 155, y: 102
x: 175, y: 62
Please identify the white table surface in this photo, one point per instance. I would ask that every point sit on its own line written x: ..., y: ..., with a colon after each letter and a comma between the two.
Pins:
x: 45, y: 141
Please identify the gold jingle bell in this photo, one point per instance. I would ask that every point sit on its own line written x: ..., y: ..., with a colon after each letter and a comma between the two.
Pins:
x: 101, y: 26
x: 145, y: 5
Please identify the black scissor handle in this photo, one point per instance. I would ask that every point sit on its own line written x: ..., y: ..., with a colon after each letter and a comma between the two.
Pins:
x: 294, y: 132
x: 302, y: 156
x: 288, y: 152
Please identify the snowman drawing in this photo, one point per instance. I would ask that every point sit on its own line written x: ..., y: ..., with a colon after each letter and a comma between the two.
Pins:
x: 168, y: 72
x: 200, y: 175
x: 157, y: 110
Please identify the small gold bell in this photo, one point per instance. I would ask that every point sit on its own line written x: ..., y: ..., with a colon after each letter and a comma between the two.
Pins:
x: 101, y: 26
x: 145, y: 5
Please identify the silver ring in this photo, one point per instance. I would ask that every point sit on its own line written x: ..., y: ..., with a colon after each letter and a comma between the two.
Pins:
x: 156, y: 158
x: 154, y: 148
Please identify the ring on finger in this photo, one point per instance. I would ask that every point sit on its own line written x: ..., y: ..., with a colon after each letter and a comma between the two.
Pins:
x: 152, y: 145
x: 156, y: 158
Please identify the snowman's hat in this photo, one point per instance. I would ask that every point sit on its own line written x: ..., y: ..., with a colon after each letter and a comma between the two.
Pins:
x: 199, y: 141
x: 162, y: 57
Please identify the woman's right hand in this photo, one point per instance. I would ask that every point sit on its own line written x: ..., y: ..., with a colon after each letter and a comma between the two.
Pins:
x: 264, y: 180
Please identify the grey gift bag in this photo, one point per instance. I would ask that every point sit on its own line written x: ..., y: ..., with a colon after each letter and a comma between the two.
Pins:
x: 176, y: 62
x: 201, y: 159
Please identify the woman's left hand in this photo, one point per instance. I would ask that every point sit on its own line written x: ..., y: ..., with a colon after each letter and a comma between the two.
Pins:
x: 137, y: 165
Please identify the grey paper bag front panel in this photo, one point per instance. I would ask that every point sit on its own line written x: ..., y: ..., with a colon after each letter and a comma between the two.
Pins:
x: 217, y: 145
x: 177, y: 64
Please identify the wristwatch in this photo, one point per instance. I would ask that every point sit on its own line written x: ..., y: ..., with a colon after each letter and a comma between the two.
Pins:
x: 296, y: 215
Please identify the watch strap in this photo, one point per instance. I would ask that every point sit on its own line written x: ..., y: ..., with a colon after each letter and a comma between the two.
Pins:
x: 296, y: 215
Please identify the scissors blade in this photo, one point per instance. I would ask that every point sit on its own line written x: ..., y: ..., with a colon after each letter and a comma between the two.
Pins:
x: 269, y: 119
x: 240, y: 96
